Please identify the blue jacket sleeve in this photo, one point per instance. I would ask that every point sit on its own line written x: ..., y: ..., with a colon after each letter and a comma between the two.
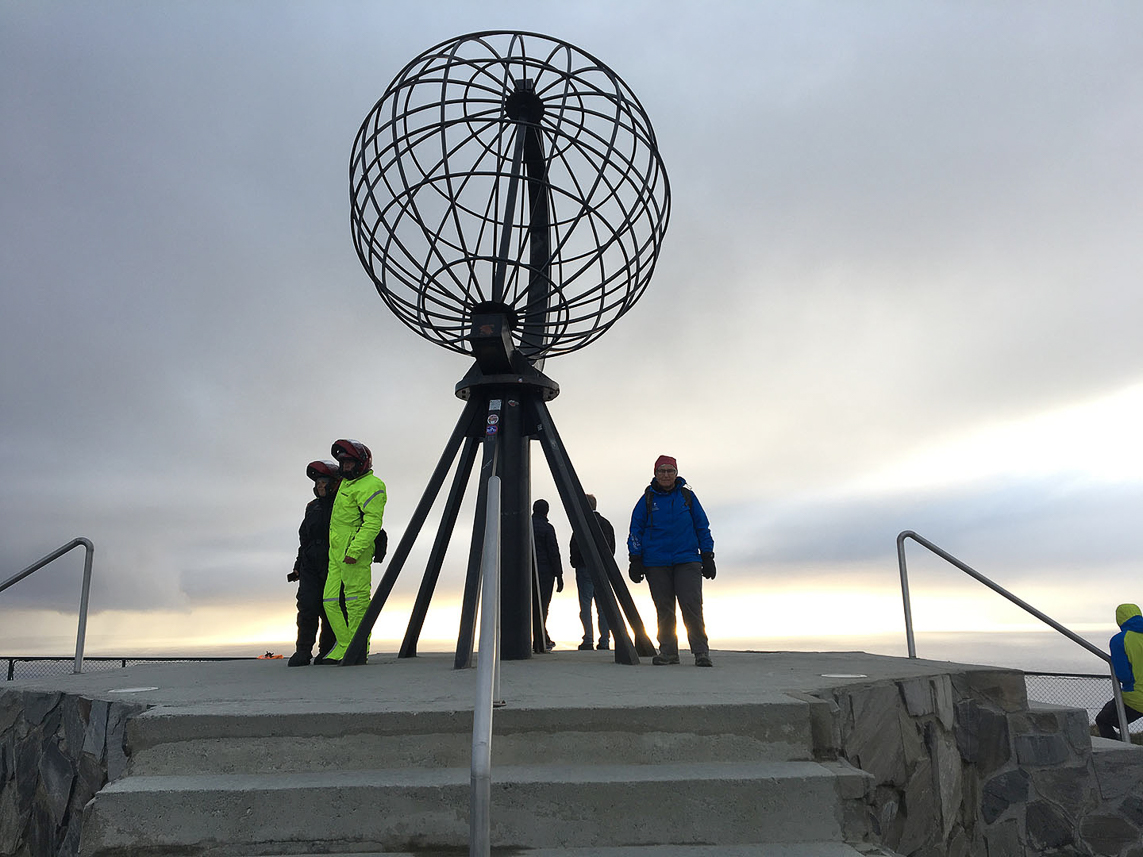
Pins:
x: 638, y: 525
x: 1121, y: 663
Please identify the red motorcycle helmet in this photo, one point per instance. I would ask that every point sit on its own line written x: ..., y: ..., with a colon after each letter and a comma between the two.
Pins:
x: 323, y: 469
x: 355, y: 449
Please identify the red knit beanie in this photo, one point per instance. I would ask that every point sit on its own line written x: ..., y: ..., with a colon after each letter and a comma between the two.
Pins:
x: 665, y: 459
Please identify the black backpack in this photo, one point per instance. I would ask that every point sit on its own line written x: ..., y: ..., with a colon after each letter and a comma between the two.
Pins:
x: 380, y: 545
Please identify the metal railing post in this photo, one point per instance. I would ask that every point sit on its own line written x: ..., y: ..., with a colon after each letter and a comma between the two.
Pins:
x: 1000, y: 590
x: 84, y: 592
x: 487, y: 679
x: 1117, y: 690
x: 910, y: 643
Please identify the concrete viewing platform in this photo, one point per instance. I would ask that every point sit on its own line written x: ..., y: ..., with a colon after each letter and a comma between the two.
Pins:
x: 788, y: 754
x: 558, y: 679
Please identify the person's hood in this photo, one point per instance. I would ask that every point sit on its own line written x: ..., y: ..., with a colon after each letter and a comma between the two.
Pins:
x: 1124, y: 613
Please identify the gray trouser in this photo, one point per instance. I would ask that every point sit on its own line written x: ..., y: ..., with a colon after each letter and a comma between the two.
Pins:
x: 586, y: 590
x: 682, y: 583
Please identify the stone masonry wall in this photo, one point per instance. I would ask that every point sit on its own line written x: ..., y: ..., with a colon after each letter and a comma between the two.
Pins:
x: 56, y: 752
x: 962, y: 768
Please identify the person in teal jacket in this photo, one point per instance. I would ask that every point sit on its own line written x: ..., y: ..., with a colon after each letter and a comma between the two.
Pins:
x: 354, y: 524
x: 1127, y: 660
x: 670, y: 544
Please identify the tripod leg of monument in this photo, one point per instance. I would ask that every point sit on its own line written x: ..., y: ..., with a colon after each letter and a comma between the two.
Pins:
x: 589, y: 535
x: 466, y: 636
x: 440, y: 546
x: 356, y: 651
x: 515, y: 532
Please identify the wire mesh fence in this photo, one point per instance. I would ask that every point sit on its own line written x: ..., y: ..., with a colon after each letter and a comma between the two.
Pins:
x: 1088, y: 691
x: 19, y: 668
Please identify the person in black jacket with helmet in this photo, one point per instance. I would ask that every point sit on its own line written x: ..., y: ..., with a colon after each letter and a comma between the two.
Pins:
x: 312, y: 565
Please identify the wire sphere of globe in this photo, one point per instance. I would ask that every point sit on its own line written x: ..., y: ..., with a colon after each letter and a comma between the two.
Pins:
x: 446, y: 192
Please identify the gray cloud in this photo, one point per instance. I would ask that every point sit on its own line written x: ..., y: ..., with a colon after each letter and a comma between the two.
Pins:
x: 1028, y: 528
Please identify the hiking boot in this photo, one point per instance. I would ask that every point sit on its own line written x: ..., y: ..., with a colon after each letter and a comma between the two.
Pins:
x: 585, y: 646
x: 298, y: 659
x: 663, y: 660
x: 603, y: 646
x: 327, y: 661
x: 703, y: 660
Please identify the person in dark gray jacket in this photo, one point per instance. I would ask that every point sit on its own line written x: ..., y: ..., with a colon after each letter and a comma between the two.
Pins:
x: 586, y: 587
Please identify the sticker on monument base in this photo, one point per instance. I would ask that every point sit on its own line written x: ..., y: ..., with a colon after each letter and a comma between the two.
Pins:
x: 493, y: 404
x: 131, y: 689
x: 493, y: 419
x: 490, y: 430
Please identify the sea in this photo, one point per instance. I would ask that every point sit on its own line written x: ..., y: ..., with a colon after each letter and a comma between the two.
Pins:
x: 1030, y: 651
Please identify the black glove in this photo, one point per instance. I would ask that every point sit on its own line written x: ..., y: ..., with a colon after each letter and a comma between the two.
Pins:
x: 708, y: 569
x: 635, y: 570
x: 559, y: 583
x: 292, y: 576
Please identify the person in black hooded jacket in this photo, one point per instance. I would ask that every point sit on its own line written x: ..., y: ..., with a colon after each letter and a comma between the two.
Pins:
x: 548, y: 568
x: 312, y: 565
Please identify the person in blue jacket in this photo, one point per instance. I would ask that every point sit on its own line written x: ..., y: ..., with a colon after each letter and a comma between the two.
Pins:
x: 1127, y: 659
x: 670, y: 544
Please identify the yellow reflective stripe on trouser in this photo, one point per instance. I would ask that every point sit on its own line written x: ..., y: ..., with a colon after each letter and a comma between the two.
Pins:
x: 357, y: 580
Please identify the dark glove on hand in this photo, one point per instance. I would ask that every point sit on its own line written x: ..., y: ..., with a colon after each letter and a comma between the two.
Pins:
x: 708, y: 569
x: 635, y: 571
x: 559, y: 583
x: 292, y: 576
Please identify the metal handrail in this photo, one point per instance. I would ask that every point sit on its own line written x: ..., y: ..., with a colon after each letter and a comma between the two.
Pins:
x: 84, y: 592
x: 1019, y: 602
x: 487, y: 679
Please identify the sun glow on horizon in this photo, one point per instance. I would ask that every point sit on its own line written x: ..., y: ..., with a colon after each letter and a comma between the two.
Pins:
x: 735, y: 616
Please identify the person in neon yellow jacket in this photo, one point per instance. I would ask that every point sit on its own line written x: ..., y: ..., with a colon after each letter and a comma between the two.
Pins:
x: 356, y: 520
x: 1127, y: 660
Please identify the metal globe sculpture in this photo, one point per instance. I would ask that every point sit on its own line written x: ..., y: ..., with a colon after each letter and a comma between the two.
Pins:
x: 513, y: 172
x: 508, y: 201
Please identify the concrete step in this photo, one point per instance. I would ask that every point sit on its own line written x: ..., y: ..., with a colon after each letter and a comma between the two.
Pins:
x: 448, y: 750
x: 768, y: 849
x: 165, y: 741
x: 419, y: 809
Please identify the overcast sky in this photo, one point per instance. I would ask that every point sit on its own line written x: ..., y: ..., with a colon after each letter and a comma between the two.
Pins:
x: 900, y: 290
